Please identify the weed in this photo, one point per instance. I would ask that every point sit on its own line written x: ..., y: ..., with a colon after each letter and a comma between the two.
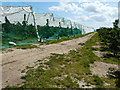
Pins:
x: 10, y: 50
x: 98, y: 80
x: 23, y: 71
x: 25, y: 46
x: 81, y: 44
x: 111, y: 68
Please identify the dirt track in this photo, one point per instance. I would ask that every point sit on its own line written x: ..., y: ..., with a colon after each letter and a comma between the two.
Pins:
x: 15, y: 61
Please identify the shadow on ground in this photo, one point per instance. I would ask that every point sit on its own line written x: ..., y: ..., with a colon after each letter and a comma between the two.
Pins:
x: 115, y: 75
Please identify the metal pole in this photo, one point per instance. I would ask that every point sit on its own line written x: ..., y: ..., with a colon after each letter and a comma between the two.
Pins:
x: 35, y: 24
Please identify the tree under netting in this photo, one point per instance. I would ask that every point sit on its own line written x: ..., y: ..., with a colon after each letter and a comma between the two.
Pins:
x: 24, y: 33
x: 111, y: 37
x: 47, y: 32
x: 17, y: 32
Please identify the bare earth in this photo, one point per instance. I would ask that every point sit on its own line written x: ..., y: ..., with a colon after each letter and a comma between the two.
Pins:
x: 101, y: 68
x: 15, y: 61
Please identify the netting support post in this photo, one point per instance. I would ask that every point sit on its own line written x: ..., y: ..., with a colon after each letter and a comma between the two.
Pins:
x: 35, y: 24
x: 59, y: 37
x: 41, y: 40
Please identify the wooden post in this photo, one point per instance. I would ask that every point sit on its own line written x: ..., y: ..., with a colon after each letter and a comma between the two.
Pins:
x: 41, y: 40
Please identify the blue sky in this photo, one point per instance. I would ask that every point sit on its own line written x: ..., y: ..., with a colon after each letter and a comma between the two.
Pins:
x: 93, y: 14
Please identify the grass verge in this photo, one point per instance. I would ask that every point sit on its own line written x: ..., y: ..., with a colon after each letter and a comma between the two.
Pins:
x: 63, y: 39
x: 29, y: 46
x: 25, y: 46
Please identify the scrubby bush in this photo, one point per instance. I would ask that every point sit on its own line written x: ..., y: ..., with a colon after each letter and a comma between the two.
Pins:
x: 111, y: 37
x: 98, y: 80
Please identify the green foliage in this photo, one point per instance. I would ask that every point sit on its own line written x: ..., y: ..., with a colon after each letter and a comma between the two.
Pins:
x: 111, y: 69
x: 81, y: 44
x: 17, y: 32
x: 111, y: 37
x: 98, y: 80
x: 27, y: 33
x: 104, y: 34
x: 47, y: 31
x: 25, y: 46
x: 63, y: 66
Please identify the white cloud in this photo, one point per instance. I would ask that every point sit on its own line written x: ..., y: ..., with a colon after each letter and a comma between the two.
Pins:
x: 66, y: 7
x: 87, y: 12
x: 98, y: 18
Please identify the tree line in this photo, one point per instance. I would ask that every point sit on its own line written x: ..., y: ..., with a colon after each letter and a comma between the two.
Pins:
x: 111, y: 37
x: 25, y: 31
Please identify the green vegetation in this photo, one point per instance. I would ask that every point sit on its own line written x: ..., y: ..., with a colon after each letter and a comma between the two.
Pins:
x: 17, y: 32
x: 65, y: 70
x: 81, y: 44
x: 64, y: 39
x: 24, y: 33
x: 47, y: 31
x: 54, y: 32
x: 25, y: 46
x: 98, y: 81
x: 29, y: 46
x: 111, y: 69
x: 111, y: 37
x: 60, y: 69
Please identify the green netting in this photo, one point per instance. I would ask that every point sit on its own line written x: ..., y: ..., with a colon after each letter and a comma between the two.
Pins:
x: 23, y: 34
x: 94, y: 30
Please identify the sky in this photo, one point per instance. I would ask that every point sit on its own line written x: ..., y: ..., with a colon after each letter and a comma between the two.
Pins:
x: 91, y: 13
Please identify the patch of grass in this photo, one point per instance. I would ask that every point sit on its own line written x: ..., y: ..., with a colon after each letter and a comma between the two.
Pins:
x: 10, y: 50
x: 10, y: 87
x: 108, y: 58
x: 69, y: 83
x: 23, y: 71
x: 111, y: 68
x: 81, y: 44
x: 83, y: 35
x: 27, y: 67
x: 7, y: 50
x: 47, y: 42
x: 111, y: 82
x: 56, y: 41
x: 25, y: 46
x: 98, y: 80
x: 95, y: 49
x: 94, y: 80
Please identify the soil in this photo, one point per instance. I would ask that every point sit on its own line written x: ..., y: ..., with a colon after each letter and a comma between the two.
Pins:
x: 101, y: 69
